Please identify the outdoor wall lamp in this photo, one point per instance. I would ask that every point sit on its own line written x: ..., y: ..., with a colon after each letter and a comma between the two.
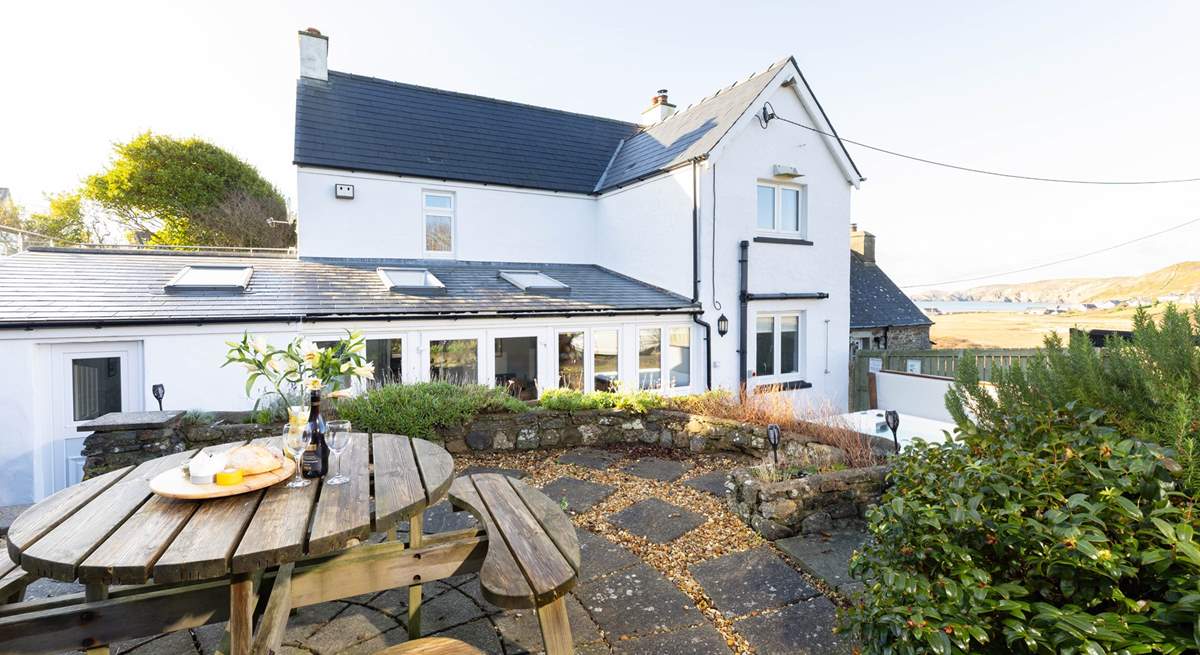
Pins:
x: 723, y: 325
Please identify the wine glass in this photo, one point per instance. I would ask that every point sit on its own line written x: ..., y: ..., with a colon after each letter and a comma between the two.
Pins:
x: 337, y: 437
x: 296, y: 441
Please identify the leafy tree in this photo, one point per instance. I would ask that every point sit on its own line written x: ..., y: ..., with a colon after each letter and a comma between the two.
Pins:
x: 63, y: 221
x: 10, y: 214
x: 189, y: 192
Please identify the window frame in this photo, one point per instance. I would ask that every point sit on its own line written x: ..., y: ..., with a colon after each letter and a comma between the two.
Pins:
x: 589, y: 354
x: 440, y: 212
x: 481, y: 352
x: 664, y: 336
x: 777, y: 229
x: 776, y: 377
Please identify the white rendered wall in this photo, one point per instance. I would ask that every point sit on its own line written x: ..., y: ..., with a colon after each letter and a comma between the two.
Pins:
x: 918, y: 395
x: 385, y: 220
x: 645, y: 231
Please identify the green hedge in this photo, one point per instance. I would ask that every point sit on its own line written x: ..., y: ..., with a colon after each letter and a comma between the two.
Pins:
x: 1050, y: 534
x: 573, y: 401
x: 418, y: 410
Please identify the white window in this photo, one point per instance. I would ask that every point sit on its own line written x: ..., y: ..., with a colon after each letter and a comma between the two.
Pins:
x: 783, y: 209
x: 664, y: 357
x: 606, y: 359
x: 779, y: 346
x: 438, y: 209
x: 211, y: 278
x: 589, y: 359
x: 417, y: 281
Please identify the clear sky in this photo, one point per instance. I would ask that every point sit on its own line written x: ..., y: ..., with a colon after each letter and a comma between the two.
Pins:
x: 1067, y: 89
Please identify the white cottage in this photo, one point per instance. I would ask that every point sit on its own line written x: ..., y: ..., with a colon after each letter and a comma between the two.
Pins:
x: 471, y: 239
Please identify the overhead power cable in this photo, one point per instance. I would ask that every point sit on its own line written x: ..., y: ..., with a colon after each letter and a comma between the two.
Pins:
x: 1055, y: 262
x: 770, y: 114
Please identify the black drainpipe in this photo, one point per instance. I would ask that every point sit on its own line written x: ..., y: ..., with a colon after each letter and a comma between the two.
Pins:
x: 696, y: 278
x: 743, y: 307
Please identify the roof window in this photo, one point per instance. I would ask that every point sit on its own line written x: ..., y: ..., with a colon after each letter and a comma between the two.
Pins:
x: 416, y: 281
x: 211, y: 278
x: 534, y: 282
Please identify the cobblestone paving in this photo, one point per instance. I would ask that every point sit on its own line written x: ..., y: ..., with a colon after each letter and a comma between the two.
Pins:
x: 625, y: 604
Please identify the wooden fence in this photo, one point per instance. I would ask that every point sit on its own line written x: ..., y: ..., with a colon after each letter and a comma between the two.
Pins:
x: 927, y: 362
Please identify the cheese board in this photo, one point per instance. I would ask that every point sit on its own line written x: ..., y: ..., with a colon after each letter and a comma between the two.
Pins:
x: 175, y: 483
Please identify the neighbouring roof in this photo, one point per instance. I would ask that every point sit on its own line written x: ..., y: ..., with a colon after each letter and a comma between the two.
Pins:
x: 367, y: 124
x: 876, y: 301
x: 46, y: 287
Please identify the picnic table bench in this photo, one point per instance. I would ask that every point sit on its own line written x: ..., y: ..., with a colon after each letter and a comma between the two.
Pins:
x: 152, y: 565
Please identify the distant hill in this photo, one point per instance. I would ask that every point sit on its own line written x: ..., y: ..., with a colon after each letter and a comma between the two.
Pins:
x: 1182, y: 278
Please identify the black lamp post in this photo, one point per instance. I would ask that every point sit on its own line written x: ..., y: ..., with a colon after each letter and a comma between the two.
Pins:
x: 773, y: 437
x: 723, y: 325
x: 892, y: 418
x: 159, y: 391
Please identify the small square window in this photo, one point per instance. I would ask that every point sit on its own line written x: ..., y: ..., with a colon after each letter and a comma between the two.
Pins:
x: 211, y: 278
x: 415, y: 281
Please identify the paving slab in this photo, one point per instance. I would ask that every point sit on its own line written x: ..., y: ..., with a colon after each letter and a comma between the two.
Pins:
x: 578, y: 495
x: 448, y: 610
x: 592, y: 458
x: 442, y: 518
x: 750, y: 581
x: 394, y: 602
x: 175, y: 643
x: 712, y: 482
x: 480, y: 634
x: 8, y: 514
x: 656, y: 520
x: 827, y: 558
x: 600, y: 557
x: 698, y: 640
x: 512, y: 473
x: 657, y: 468
x: 301, y: 625
x: 805, y: 628
x: 521, y: 632
x: 354, y: 625
x: 637, y: 601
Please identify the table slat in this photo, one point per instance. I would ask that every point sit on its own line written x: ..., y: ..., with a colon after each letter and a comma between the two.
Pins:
x: 277, y: 531
x: 551, y: 517
x: 548, y: 572
x: 399, y: 493
x: 437, y: 469
x: 58, y: 554
x: 203, y: 548
x: 46, y: 515
x: 344, y: 511
x: 501, y: 580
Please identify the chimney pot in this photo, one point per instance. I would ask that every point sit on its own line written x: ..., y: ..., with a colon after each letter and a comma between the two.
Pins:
x: 659, y: 109
x: 314, y: 54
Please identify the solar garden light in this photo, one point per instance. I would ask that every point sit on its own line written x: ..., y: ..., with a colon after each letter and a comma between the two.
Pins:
x: 159, y: 391
x: 773, y: 438
x: 892, y: 418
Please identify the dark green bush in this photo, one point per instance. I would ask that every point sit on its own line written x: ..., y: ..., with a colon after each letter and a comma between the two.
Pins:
x: 569, y: 400
x: 418, y: 410
x: 1053, y: 535
x: 1148, y: 387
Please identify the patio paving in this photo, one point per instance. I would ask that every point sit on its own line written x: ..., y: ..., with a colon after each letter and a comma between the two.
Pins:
x: 656, y: 468
x: 579, y: 495
x: 592, y: 458
x: 712, y: 483
x: 656, y: 520
x: 698, y: 640
x: 827, y: 557
x: 637, y: 601
x: 805, y: 628
x: 750, y: 581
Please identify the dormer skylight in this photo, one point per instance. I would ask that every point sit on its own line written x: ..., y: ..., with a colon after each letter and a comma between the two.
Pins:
x: 415, y: 281
x: 534, y: 282
x: 233, y: 279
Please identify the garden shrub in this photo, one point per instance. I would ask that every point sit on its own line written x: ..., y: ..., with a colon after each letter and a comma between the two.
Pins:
x: 569, y: 400
x: 418, y: 410
x: 1050, y: 533
x: 1147, y: 387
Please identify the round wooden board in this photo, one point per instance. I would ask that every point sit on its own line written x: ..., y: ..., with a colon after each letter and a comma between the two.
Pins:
x: 174, y: 484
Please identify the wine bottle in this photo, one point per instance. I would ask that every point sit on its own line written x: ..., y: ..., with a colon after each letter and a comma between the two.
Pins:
x: 315, y: 460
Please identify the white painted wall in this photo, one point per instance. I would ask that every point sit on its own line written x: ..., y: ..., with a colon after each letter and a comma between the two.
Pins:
x: 645, y: 231
x: 918, y: 395
x: 385, y: 220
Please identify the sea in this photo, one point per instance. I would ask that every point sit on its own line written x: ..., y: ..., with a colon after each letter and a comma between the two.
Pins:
x: 962, y: 306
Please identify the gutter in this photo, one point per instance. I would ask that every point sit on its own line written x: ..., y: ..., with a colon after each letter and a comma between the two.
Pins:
x: 696, y: 277
x: 316, y: 318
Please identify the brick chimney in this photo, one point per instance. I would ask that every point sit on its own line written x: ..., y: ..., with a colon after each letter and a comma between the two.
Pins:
x: 658, y: 111
x: 863, y: 243
x: 314, y: 54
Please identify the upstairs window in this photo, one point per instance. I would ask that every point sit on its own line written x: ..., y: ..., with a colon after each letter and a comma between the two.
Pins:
x: 783, y: 209
x: 211, y: 278
x: 438, y: 208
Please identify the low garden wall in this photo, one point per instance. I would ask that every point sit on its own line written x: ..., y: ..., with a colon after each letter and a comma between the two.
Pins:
x: 805, y: 505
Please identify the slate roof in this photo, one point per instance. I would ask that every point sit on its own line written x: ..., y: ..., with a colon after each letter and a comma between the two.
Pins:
x: 45, y: 287
x: 361, y: 123
x: 876, y: 301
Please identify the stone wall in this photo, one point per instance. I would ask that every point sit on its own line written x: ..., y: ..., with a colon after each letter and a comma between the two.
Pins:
x: 122, y: 439
x: 908, y: 337
x: 813, y: 503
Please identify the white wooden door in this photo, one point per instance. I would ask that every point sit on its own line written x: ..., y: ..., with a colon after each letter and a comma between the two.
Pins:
x: 89, y: 380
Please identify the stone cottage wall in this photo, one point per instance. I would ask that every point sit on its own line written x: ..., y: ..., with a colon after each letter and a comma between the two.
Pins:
x: 813, y: 503
x: 908, y: 337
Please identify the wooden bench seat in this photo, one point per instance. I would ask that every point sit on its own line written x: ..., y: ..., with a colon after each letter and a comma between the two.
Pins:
x: 432, y: 646
x: 13, y: 580
x: 533, y: 555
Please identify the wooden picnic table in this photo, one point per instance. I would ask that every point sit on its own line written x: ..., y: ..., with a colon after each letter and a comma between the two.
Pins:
x: 112, y: 530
